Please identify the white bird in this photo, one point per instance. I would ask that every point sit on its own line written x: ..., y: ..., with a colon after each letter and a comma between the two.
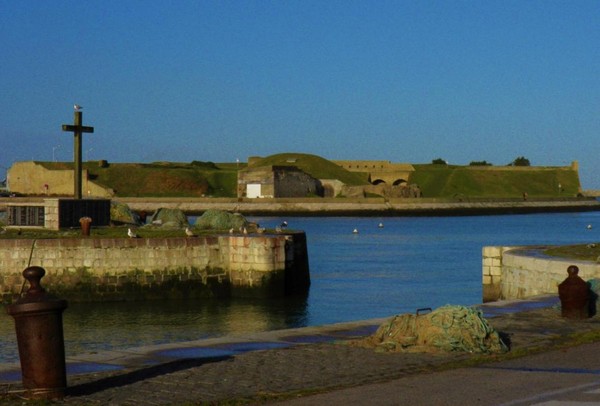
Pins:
x: 131, y: 234
x: 77, y: 107
x: 380, y: 225
x: 589, y: 226
x: 284, y: 224
x: 355, y: 231
x: 231, y: 230
x: 189, y: 232
x: 244, y: 230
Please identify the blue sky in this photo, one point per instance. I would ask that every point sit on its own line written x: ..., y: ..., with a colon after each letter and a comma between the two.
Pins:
x: 403, y: 81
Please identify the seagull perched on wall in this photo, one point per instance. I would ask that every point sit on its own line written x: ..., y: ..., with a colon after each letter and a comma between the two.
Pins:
x: 131, y: 234
x: 77, y: 107
x: 189, y: 232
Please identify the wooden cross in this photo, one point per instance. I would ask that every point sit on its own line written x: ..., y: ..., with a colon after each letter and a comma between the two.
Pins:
x: 77, y: 129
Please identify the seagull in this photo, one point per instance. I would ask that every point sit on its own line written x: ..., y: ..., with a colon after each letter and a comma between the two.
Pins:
x: 77, y: 107
x: 131, y: 234
x: 244, y: 230
x: 380, y: 225
x: 284, y: 224
x: 355, y: 231
x: 189, y: 232
x: 231, y: 230
x: 589, y: 226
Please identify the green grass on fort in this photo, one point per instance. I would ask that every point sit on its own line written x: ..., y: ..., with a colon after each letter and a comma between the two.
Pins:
x: 208, y: 179
x: 446, y: 181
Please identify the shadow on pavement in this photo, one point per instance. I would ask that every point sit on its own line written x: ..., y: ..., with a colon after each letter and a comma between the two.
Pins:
x: 132, y: 377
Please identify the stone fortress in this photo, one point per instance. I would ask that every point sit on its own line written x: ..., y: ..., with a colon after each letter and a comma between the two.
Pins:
x: 286, y: 180
x: 386, y: 179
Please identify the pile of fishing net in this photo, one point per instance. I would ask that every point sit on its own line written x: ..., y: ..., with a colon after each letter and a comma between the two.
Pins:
x: 214, y: 219
x: 446, y: 329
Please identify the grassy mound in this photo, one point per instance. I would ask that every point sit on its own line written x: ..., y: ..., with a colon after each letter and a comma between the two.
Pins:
x: 161, y: 179
x: 315, y: 166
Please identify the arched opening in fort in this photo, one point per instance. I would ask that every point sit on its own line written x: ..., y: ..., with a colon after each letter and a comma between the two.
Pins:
x: 378, y: 182
x: 400, y: 182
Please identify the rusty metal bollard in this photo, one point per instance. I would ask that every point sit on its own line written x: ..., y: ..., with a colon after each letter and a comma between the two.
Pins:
x: 86, y: 224
x: 38, y: 322
x: 574, y: 294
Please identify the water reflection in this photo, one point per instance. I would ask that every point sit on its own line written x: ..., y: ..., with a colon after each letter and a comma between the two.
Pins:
x: 93, y: 327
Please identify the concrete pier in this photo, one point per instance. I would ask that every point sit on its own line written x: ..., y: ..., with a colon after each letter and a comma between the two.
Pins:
x: 101, y: 269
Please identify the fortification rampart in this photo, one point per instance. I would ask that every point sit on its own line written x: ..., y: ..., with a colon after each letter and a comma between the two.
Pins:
x: 522, y: 272
x: 91, y: 269
x: 32, y: 178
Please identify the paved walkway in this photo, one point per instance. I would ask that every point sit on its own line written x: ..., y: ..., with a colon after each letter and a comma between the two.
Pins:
x: 314, y: 366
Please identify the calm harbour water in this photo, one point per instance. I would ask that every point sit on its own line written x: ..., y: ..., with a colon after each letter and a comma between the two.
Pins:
x: 409, y: 263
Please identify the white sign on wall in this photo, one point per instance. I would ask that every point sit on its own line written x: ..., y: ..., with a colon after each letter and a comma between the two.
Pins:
x: 253, y: 190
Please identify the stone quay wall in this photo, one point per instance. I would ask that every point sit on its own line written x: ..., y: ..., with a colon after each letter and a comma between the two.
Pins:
x: 522, y: 272
x: 106, y: 269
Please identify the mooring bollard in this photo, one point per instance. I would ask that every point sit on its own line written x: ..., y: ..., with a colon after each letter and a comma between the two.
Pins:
x: 86, y: 224
x: 574, y: 294
x: 38, y: 323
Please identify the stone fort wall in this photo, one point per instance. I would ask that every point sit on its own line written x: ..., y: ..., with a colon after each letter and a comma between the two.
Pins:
x: 90, y: 269
x: 32, y: 178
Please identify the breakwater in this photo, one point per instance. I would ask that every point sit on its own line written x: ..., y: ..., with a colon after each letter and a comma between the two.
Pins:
x: 372, y: 206
x: 365, y: 206
x: 523, y: 272
x: 106, y: 269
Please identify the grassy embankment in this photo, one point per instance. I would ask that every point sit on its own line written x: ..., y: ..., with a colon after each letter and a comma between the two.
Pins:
x: 197, y: 179
x: 448, y: 181
x: 163, y: 179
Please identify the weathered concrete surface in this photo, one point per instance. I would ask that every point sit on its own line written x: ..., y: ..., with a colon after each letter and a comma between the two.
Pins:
x: 289, y: 365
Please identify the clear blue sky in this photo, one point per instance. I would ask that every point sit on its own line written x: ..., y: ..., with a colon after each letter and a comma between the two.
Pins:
x: 404, y: 81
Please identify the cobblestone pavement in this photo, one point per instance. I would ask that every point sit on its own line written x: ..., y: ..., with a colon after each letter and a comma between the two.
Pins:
x: 262, y: 376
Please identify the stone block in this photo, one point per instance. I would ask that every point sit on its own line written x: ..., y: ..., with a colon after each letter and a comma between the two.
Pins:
x: 492, y: 251
x: 496, y: 271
